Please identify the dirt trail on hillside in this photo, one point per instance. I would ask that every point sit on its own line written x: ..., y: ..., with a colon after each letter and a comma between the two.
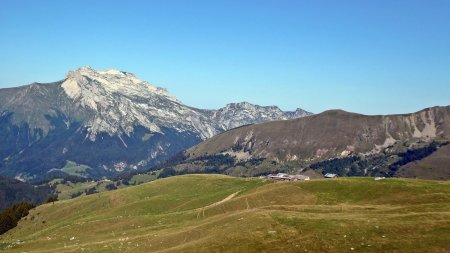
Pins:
x: 222, y: 201
x: 202, y: 209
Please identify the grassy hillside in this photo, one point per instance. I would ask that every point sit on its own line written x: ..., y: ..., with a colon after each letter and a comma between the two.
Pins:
x: 435, y: 166
x: 74, y: 169
x: 211, y: 213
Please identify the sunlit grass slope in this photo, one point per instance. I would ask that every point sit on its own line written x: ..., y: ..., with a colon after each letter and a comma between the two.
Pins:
x: 214, y: 213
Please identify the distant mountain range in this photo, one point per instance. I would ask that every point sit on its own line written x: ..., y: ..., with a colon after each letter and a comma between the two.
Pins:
x: 107, y: 121
x: 334, y: 141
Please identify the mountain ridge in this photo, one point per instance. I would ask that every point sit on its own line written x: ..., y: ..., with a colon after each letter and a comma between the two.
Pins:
x: 333, y: 141
x: 422, y: 123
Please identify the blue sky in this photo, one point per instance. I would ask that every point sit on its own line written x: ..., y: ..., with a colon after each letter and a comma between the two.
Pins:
x: 372, y: 57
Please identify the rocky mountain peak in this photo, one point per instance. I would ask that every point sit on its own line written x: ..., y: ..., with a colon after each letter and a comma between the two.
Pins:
x: 246, y: 105
x: 109, y: 81
x: 244, y: 113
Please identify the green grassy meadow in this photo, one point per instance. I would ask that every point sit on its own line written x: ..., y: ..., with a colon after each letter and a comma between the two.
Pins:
x: 74, y: 169
x: 216, y: 213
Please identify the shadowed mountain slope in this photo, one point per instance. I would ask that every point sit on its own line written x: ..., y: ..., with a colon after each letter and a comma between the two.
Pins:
x: 13, y: 191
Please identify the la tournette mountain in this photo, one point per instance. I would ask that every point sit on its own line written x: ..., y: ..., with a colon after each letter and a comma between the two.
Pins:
x: 110, y: 121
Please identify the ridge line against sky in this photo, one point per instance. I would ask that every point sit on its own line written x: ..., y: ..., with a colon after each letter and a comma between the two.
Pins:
x: 377, y: 57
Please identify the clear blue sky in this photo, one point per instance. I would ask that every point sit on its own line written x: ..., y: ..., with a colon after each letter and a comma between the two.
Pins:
x: 373, y: 57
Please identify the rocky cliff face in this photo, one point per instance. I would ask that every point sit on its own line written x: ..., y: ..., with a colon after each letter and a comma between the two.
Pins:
x: 109, y: 120
x: 239, y: 114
